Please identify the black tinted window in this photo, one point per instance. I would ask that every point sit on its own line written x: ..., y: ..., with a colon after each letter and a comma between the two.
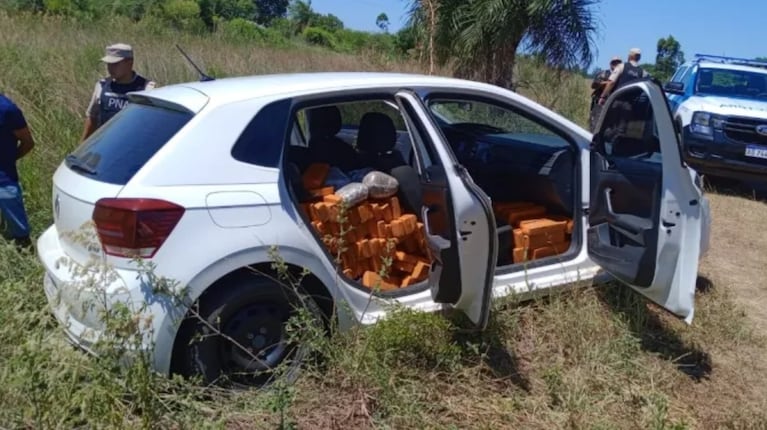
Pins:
x: 125, y: 143
x: 629, y: 128
x: 262, y: 140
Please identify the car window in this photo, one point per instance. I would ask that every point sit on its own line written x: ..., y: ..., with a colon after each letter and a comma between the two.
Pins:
x: 119, y: 148
x: 337, y: 125
x: 686, y: 75
x: 679, y: 73
x: 462, y: 117
x: 629, y: 129
x: 299, y: 131
x: 731, y: 83
x: 262, y: 139
x: 352, y: 112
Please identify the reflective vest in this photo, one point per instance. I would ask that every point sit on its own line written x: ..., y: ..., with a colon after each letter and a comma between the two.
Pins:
x: 113, y: 96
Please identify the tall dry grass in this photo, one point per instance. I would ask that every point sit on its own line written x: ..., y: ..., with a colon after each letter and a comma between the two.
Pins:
x: 49, y: 65
x: 596, y: 358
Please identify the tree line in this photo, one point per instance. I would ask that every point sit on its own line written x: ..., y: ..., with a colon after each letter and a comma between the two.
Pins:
x: 476, y: 39
x: 269, y: 22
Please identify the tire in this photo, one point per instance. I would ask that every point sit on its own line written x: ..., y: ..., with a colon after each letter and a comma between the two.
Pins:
x: 253, y: 311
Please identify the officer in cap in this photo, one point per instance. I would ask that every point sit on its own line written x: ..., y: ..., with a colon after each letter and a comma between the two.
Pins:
x: 597, y: 86
x: 624, y: 73
x: 109, y: 94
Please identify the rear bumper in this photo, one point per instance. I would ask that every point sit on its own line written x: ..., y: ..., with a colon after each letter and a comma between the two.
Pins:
x: 721, y: 157
x: 79, y: 297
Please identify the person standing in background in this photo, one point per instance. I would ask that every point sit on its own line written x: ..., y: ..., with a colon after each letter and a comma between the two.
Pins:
x: 598, y: 86
x: 109, y: 95
x: 15, y: 142
x: 624, y: 74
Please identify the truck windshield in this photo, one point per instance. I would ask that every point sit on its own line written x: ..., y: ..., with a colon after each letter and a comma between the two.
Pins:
x: 732, y: 83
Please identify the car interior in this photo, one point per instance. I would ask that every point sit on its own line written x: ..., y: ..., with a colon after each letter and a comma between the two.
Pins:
x: 527, y: 171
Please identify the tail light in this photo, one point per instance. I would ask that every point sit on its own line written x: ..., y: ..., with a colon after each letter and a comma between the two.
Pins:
x: 134, y: 227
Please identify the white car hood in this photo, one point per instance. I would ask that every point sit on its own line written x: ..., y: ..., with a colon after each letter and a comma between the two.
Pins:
x: 731, y: 106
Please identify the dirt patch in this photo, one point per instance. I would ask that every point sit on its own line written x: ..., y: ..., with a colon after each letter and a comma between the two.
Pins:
x: 736, y: 259
x: 733, y: 286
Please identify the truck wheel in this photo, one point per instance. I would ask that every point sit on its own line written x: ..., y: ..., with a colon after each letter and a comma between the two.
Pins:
x: 239, y: 337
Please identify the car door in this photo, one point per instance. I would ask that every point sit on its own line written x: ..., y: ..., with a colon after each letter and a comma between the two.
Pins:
x: 457, y: 217
x: 645, y: 212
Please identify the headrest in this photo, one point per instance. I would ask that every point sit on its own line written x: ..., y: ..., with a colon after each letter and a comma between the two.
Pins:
x: 324, y: 121
x: 377, y: 133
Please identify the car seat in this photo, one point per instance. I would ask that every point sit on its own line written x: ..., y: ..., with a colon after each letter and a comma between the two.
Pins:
x: 376, y: 140
x: 324, y: 144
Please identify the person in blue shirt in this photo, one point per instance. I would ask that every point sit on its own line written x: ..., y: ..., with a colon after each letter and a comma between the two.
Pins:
x: 15, y: 142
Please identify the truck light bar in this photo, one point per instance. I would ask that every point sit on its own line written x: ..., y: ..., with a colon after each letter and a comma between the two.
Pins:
x: 730, y: 60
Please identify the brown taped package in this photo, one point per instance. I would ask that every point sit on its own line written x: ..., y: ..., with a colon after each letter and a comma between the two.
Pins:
x: 374, y: 231
x: 536, y: 234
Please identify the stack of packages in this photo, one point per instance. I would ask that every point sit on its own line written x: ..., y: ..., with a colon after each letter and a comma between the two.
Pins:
x: 536, y: 233
x: 363, y: 223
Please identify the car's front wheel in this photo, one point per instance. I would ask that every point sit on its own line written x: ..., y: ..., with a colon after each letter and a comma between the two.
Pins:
x: 240, y: 337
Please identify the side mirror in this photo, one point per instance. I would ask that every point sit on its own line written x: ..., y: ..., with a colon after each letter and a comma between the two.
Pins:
x: 674, y: 87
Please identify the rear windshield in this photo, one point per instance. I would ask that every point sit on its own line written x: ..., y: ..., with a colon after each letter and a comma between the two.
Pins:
x: 117, y: 150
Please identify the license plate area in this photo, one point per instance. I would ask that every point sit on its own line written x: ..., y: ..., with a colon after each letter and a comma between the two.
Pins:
x: 756, y: 151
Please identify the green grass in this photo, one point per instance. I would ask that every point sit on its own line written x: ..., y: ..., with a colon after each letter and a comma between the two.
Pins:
x: 597, y: 358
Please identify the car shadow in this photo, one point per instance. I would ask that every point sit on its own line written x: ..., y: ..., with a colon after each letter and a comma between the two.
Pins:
x: 703, y: 284
x: 655, y: 336
x: 490, y: 344
x: 749, y: 190
x: 504, y: 364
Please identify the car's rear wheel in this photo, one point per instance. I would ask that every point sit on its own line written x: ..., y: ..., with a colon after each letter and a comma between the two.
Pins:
x: 239, y: 336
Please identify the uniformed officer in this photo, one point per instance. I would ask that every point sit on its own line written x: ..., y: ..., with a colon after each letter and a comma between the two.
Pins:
x: 624, y: 73
x: 598, y: 85
x: 109, y: 94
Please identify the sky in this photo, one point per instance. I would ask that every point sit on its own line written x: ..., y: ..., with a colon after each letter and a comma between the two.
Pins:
x: 718, y: 27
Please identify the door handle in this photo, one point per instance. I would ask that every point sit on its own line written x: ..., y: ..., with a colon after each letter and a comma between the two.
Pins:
x: 437, y: 243
x: 425, y: 217
x: 630, y: 225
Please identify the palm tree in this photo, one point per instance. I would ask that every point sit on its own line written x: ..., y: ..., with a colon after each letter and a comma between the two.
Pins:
x: 481, y: 38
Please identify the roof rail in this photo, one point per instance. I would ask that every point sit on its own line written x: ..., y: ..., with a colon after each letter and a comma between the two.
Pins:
x: 729, y: 60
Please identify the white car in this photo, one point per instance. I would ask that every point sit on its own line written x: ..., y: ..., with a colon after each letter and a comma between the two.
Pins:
x: 203, y: 179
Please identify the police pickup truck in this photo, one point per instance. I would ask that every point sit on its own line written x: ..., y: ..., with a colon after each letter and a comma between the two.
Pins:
x: 719, y: 105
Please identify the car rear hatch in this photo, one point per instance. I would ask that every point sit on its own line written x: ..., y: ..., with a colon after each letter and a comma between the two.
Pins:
x: 87, y: 215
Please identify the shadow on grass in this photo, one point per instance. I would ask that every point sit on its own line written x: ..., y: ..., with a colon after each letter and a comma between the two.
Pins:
x: 492, y: 345
x: 655, y: 335
x: 730, y: 187
x: 703, y: 285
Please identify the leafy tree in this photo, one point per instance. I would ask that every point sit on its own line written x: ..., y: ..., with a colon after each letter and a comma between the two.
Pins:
x: 210, y: 10
x: 268, y: 10
x: 668, y: 59
x: 405, y: 39
x: 301, y: 14
x: 653, y: 71
x: 318, y: 36
x: 26, y: 5
x: 382, y: 21
x: 327, y: 22
x: 481, y: 37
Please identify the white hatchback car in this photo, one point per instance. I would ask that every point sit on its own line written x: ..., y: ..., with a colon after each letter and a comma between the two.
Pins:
x: 204, y: 178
